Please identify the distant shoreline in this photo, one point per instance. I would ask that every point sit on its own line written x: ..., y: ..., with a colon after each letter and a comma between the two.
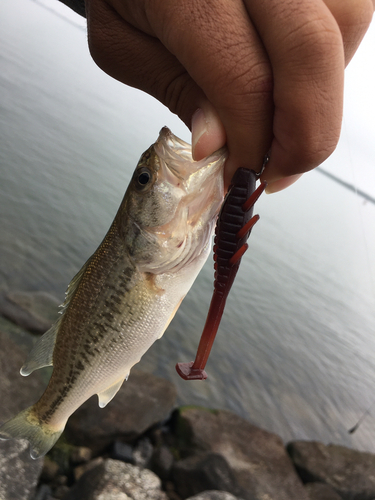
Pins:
x: 347, y: 185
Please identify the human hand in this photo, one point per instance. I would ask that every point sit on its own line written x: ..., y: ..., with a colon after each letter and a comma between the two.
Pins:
x: 254, y: 74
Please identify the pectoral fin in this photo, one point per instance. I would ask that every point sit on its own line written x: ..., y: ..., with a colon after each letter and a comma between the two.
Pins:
x: 106, y: 396
x: 42, y: 352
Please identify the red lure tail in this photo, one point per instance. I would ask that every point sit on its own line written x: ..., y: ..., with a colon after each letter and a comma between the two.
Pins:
x: 232, y: 231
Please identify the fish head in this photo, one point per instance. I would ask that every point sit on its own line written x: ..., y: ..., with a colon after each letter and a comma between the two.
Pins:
x: 171, y: 205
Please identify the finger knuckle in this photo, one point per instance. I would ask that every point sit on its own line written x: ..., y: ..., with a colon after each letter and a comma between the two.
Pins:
x: 316, y: 146
x: 244, y: 85
x: 177, y: 92
x: 311, y: 34
x: 317, y: 39
x: 355, y: 15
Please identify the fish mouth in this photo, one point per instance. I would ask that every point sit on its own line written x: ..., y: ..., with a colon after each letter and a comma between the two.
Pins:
x: 177, y: 156
x: 197, y: 191
x: 202, y: 181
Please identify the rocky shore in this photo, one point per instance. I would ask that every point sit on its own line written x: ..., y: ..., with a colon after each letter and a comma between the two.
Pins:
x: 141, y: 447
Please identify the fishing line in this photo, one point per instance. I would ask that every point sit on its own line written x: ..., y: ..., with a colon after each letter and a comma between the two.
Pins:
x: 361, y: 419
x: 65, y: 18
x: 358, y: 196
x: 367, y: 252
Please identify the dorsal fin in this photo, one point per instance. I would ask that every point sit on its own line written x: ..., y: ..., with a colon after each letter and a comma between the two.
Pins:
x: 72, y: 287
x: 42, y: 352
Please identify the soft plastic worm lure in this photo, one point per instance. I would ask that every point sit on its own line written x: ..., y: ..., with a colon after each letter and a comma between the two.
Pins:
x: 232, y: 230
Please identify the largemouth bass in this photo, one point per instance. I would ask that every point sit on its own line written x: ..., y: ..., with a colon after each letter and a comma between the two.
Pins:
x: 126, y: 294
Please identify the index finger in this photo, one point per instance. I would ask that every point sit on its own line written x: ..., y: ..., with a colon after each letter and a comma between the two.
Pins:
x: 304, y: 44
x: 218, y: 45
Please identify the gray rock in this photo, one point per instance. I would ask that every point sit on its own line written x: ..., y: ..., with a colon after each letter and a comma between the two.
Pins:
x: 143, y: 401
x: 44, y: 493
x: 81, y: 469
x: 60, y: 492
x: 115, y: 480
x: 122, y: 451
x: 16, y: 392
x: 203, y: 472
x: 320, y: 491
x: 214, y: 495
x: 34, y: 311
x: 18, y: 472
x: 257, y: 458
x: 50, y: 470
x: 162, y: 462
x: 80, y: 455
x: 20, y: 336
x: 143, y: 451
x: 351, y: 473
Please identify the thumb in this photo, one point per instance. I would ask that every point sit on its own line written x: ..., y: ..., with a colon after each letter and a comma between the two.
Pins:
x: 207, y: 132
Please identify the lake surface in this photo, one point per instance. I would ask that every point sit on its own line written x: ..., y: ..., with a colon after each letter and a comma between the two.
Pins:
x: 295, y: 352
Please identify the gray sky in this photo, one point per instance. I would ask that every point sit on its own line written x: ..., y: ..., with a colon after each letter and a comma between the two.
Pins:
x: 354, y: 159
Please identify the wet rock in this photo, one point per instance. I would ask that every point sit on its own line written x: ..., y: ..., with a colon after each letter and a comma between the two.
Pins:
x: 320, y: 491
x: 214, y: 495
x: 80, y: 455
x: 257, y: 458
x: 143, y: 401
x: 21, y: 337
x: 81, y: 469
x: 143, y: 452
x: 34, y: 311
x: 50, y: 470
x: 122, y: 451
x: 18, y: 472
x: 115, y: 480
x: 204, y: 472
x: 16, y: 392
x: 162, y: 462
x: 44, y: 492
x: 349, y: 472
x: 170, y: 491
x: 61, y: 453
x: 60, y: 492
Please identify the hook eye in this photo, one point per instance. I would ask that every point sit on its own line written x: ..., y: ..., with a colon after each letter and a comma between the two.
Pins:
x: 266, y: 159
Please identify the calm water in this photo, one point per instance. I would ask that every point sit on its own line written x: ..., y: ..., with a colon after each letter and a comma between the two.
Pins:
x: 295, y: 353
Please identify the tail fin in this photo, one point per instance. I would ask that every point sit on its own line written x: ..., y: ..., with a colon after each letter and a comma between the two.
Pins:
x: 26, y: 425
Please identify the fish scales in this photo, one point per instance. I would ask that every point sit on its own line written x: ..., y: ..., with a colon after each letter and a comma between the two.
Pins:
x: 126, y: 294
x: 107, y: 332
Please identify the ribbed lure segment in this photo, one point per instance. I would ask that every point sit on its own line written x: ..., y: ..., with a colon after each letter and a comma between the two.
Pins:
x: 231, y: 220
x: 232, y: 231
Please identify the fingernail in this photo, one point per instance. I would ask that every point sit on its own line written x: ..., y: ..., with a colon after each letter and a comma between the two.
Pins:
x: 276, y: 186
x: 199, y: 127
x: 207, y: 132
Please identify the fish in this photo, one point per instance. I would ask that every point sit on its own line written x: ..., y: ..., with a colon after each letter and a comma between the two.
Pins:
x: 126, y: 294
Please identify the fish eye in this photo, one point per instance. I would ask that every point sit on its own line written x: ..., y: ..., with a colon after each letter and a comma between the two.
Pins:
x: 143, y: 177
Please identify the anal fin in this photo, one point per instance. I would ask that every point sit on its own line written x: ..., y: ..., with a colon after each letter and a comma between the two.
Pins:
x: 108, y: 394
